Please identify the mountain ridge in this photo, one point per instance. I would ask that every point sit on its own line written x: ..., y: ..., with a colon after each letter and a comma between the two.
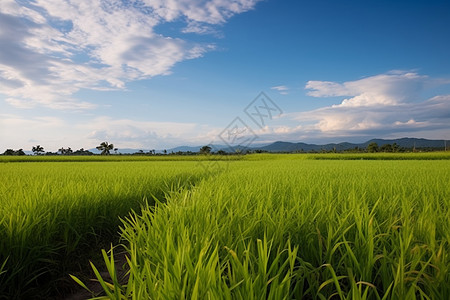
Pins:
x: 281, y: 146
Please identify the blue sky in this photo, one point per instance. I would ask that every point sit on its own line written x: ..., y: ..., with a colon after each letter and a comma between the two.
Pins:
x: 155, y: 74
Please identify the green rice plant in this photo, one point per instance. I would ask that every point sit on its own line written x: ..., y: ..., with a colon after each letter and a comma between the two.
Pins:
x: 2, y: 267
x: 297, y: 229
x: 272, y: 226
x: 52, y: 215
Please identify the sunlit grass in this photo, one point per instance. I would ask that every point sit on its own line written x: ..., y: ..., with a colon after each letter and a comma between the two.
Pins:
x: 297, y: 230
x: 274, y: 226
x: 50, y: 213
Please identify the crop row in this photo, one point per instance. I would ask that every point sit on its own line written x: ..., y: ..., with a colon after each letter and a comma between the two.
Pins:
x: 54, y: 215
x: 295, y: 230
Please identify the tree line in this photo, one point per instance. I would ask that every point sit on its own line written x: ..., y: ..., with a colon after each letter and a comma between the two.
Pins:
x: 106, y: 149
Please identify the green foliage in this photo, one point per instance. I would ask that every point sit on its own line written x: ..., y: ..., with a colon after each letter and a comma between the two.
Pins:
x: 38, y: 149
x: 105, y: 148
x: 53, y: 213
x: 301, y: 229
x: 274, y: 226
x: 11, y: 152
x: 205, y: 150
x: 372, y: 147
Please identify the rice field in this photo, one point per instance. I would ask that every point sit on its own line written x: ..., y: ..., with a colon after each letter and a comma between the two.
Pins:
x: 262, y: 227
x: 53, y: 212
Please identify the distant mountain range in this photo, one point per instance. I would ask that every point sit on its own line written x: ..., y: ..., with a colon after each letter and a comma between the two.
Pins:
x: 403, y: 142
x: 293, y: 147
x: 299, y: 147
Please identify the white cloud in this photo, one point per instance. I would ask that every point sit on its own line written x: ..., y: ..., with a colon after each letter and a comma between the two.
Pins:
x: 20, y: 103
x: 201, y: 28
x: 384, y: 89
x: 282, y: 89
x: 21, y: 132
x: 54, y: 132
x: 379, y: 105
x: 202, y: 11
x: 53, y: 48
x: 410, y: 122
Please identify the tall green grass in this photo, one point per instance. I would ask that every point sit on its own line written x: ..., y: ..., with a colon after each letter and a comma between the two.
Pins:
x: 53, y: 214
x: 295, y: 229
x: 273, y: 226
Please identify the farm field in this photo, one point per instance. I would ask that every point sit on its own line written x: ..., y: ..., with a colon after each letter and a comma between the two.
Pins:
x: 51, y: 213
x: 261, y: 227
x: 261, y: 156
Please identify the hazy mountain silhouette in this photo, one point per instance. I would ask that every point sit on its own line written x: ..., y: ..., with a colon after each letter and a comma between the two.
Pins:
x: 281, y: 146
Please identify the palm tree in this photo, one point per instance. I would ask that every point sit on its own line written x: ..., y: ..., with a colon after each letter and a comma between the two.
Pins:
x: 38, y: 149
x: 105, y: 148
x: 65, y: 151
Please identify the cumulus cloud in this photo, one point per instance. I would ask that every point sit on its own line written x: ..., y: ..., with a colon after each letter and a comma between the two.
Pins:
x: 384, y: 89
x: 379, y: 105
x: 53, y: 48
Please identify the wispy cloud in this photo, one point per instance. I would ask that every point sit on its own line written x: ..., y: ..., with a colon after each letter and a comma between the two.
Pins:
x: 204, y: 11
x: 138, y: 134
x: 282, y: 89
x: 53, y: 48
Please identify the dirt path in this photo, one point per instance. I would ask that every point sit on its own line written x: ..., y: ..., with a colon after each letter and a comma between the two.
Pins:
x: 79, y: 293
